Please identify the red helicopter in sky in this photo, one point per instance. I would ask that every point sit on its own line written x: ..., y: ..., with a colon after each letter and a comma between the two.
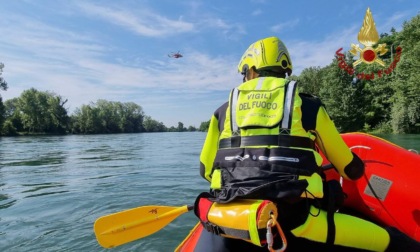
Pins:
x: 175, y: 55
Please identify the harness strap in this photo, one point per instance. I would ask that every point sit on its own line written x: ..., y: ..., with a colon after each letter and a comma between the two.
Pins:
x: 218, y: 230
x: 288, y: 106
x: 233, y: 101
x: 275, y: 140
x: 330, y: 218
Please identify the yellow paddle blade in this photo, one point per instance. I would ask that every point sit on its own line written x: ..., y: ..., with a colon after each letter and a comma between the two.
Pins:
x: 132, y: 224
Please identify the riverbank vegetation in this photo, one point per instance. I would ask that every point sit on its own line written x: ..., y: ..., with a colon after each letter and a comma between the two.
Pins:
x: 39, y: 112
x: 374, y: 98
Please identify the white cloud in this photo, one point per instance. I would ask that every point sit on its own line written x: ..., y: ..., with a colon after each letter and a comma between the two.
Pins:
x: 143, y: 22
x: 390, y: 22
x: 306, y: 54
x: 232, y: 31
x: 259, y: 1
x: 256, y: 12
x: 284, y: 26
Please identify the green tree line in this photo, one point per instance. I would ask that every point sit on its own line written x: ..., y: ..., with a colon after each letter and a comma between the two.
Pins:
x: 44, y: 112
x: 373, y: 98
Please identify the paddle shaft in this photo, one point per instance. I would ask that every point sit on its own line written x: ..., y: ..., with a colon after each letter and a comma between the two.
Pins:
x: 140, y: 222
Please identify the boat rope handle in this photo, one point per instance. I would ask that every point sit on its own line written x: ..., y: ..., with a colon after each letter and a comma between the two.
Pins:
x: 270, y: 224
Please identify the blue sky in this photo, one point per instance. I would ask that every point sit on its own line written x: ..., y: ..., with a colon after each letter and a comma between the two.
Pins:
x: 85, y: 50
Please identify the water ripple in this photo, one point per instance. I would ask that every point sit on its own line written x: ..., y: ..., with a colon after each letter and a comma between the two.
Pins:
x: 37, y: 187
x: 44, y: 194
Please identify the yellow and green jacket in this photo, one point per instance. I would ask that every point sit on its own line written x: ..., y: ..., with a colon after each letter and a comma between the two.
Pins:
x: 263, y: 144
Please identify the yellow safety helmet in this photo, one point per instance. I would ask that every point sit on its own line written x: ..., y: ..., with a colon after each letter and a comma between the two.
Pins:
x: 268, y: 53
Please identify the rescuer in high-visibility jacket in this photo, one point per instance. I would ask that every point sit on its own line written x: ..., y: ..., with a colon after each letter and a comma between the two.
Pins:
x: 263, y: 144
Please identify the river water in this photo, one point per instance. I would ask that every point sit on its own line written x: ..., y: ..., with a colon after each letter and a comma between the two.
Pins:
x: 53, y: 188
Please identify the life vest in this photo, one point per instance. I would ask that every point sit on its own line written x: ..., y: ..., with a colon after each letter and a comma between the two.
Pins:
x: 264, y: 151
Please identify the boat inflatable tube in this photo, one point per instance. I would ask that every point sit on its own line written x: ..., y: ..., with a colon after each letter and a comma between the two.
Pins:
x: 388, y: 191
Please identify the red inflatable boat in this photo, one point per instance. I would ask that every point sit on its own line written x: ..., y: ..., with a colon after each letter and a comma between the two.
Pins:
x: 389, y: 191
x: 387, y: 194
